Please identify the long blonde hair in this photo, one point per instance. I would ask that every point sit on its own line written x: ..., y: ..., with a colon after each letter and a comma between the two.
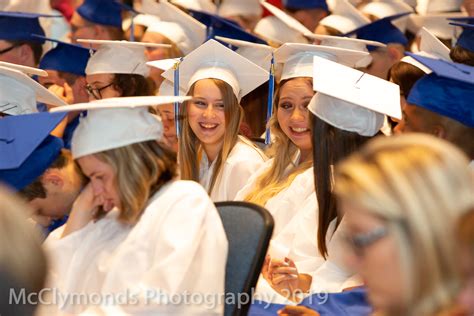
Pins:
x: 279, y: 176
x: 419, y: 185
x: 141, y: 169
x: 190, y: 147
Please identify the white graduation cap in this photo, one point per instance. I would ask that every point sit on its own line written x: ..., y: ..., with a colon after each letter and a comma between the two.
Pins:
x: 349, y: 43
x: 437, y: 24
x: 19, y: 93
x: 276, y: 31
x: 259, y: 54
x: 116, y: 122
x: 214, y: 60
x: 352, y: 100
x: 141, y: 19
x: 239, y: 7
x: 181, y: 28
x: 197, y: 5
x: 438, y: 6
x: 30, y: 71
x: 296, y: 60
x: 385, y: 8
x: 430, y: 46
x: 344, y: 17
x: 290, y: 21
x: 119, y: 57
x: 166, y: 87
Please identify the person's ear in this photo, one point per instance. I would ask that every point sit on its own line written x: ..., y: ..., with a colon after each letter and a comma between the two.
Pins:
x: 26, y: 55
x: 52, y: 180
x: 394, y: 53
x: 439, y: 131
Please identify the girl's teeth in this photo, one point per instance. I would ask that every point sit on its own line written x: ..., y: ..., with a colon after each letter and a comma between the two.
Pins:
x: 208, y: 125
x: 299, y: 130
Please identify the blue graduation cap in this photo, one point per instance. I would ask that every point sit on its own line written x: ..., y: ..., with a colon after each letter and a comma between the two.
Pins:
x: 19, y: 26
x: 382, y: 31
x: 466, y: 39
x: 104, y: 12
x: 448, y: 91
x: 27, y: 148
x: 219, y: 26
x: 65, y: 57
x: 306, y: 4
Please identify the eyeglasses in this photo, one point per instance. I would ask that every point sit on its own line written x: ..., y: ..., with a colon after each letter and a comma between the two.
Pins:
x: 359, y: 242
x: 96, y: 92
x: 6, y: 50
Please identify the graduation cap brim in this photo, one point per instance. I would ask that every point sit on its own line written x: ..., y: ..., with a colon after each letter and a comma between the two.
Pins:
x: 21, y: 135
x: 122, y: 43
x: 25, y: 69
x: 42, y: 94
x: 447, y: 69
x: 121, y: 102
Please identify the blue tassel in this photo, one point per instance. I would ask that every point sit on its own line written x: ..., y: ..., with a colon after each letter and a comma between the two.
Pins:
x: 176, y: 93
x: 271, y: 88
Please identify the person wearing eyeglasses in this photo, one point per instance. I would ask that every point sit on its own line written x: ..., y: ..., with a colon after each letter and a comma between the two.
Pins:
x: 118, y: 69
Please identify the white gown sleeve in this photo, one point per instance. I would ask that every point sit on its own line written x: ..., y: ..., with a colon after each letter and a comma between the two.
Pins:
x: 179, y: 246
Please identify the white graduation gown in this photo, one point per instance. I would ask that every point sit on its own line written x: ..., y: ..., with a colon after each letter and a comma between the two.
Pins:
x: 243, y: 161
x: 178, y: 246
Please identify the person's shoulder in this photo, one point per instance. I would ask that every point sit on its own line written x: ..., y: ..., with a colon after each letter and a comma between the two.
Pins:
x: 244, y: 150
x: 179, y: 188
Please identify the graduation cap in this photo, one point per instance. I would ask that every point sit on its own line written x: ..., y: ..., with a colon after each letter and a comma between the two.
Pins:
x: 448, y: 90
x: 383, y: 8
x: 344, y: 17
x: 103, y: 12
x: 290, y: 21
x: 352, y: 100
x: 19, y: 93
x: 430, y: 46
x: 181, y: 28
x: 30, y: 71
x: 27, y: 148
x: 166, y: 88
x: 214, y: 60
x: 382, y: 31
x: 307, y: 4
x: 466, y: 39
x: 296, y: 60
x: 119, y: 57
x: 197, y: 5
x: 240, y: 7
x: 437, y: 24
x: 65, y: 57
x: 276, y: 32
x: 424, y: 7
x: 19, y: 26
x: 116, y: 122
x: 219, y: 26
x: 259, y: 54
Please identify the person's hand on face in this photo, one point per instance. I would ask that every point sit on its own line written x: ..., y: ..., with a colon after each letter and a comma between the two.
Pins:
x: 84, y: 209
x: 65, y: 93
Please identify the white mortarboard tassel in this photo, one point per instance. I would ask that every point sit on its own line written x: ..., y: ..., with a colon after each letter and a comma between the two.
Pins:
x: 19, y: 93
x: 116, y: 122
x: 214, y: 60
x: 119, y: 57
x: 344, y: 17
x: 296, y: 60
x: 352, y: 100
x: 430, y: 46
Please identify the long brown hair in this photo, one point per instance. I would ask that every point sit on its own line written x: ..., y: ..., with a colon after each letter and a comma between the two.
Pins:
x: 141, y: 169
x: 190, y: 147
x: 330, y: 145
x: 283, y: 151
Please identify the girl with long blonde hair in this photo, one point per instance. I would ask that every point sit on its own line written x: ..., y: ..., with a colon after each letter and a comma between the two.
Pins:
x: 210, y: 150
